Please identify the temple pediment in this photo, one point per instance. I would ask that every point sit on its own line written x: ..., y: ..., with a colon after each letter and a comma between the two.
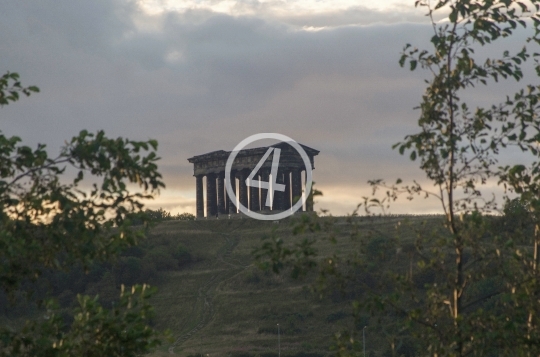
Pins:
x: 214, y: 161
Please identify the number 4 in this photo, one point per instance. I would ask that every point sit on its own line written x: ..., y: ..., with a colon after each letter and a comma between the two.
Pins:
x: 250, y: 182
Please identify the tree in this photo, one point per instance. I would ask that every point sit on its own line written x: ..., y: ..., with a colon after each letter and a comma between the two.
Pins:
x: 74, y: 208
x: 482, y: 298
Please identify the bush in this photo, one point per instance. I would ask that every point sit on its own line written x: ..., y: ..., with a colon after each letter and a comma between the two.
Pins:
x: 378, y: 247
x: 161, y: 258
x: 184, y: 217
x: 149, y: 272
x: 516, y: 215
x: 182, y: 255
x: 105, y: 288
x: 127, y: 271
x: 158, y: 215
x: 96, y: 272
x: 135, y: 251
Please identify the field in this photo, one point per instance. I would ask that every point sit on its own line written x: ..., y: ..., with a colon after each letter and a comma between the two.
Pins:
x: 224, y: 305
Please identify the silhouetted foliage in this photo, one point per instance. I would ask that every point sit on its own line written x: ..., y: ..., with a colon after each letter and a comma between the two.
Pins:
x: 51, y: 229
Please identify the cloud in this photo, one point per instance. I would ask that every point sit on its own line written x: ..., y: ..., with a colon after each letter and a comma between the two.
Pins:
x: 200, y: 81
x: 304, y: 14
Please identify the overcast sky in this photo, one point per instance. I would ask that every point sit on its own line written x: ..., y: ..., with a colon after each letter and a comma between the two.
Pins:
x: 202, y: 75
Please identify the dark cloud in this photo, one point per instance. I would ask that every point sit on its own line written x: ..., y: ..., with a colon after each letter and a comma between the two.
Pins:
x: 199, y: 81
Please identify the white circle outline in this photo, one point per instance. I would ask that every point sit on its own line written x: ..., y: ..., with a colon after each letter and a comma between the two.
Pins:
x: 249, y: 140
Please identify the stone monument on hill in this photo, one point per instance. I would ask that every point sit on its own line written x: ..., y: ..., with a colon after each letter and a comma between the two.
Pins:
x: 212, y: 167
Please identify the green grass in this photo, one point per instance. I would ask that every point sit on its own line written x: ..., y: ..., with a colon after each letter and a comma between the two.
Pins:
x: 223, y: 305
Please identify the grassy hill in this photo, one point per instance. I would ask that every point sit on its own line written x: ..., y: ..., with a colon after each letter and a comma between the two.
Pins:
x: 223, y: 305
x: 216, y: 302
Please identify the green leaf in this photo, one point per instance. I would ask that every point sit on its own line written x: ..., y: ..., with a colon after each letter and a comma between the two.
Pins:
x: 453, y: 15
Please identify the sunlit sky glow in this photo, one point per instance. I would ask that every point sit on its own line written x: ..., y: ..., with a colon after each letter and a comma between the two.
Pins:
x: 275, y: 7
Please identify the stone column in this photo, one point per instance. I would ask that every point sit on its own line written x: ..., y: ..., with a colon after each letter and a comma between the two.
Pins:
x: 232, y: 205
x: 296, y: 186
x: 254, y: 204
x: 225, y: 199
x: 243, y: 194
x: 287, y: 194
x: 211, y: 201
x: 265, y: 177
x: 221, y: 193
x: 199, y: 195
x: 279, y: 196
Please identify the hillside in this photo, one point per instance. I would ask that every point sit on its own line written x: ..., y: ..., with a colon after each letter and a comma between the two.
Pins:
x: 224, y: 305
x: 217, y: 302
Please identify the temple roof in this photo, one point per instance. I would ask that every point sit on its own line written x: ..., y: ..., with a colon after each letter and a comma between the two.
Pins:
x: 221, y: 154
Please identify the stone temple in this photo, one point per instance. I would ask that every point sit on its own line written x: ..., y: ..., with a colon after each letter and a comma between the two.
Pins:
x: 212, y: 166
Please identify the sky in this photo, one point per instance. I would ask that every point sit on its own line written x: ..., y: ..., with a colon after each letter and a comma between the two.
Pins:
x: 202, y: 75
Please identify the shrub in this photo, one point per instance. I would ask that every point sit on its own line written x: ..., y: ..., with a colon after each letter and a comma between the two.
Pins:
x: 105, y: 288
x: 182, y: 255
x: 184, y: 217
x: 161, y: 258
x: 378, y: 247
x: 135, y: 251
x: 516, y: 215
x: 127, y: 271
x: 158, y: 215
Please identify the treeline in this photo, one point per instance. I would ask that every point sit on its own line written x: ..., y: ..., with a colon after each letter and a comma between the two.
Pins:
x: 160, y: 215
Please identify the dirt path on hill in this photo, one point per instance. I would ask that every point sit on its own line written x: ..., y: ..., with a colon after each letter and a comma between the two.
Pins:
x: 227, y: 270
